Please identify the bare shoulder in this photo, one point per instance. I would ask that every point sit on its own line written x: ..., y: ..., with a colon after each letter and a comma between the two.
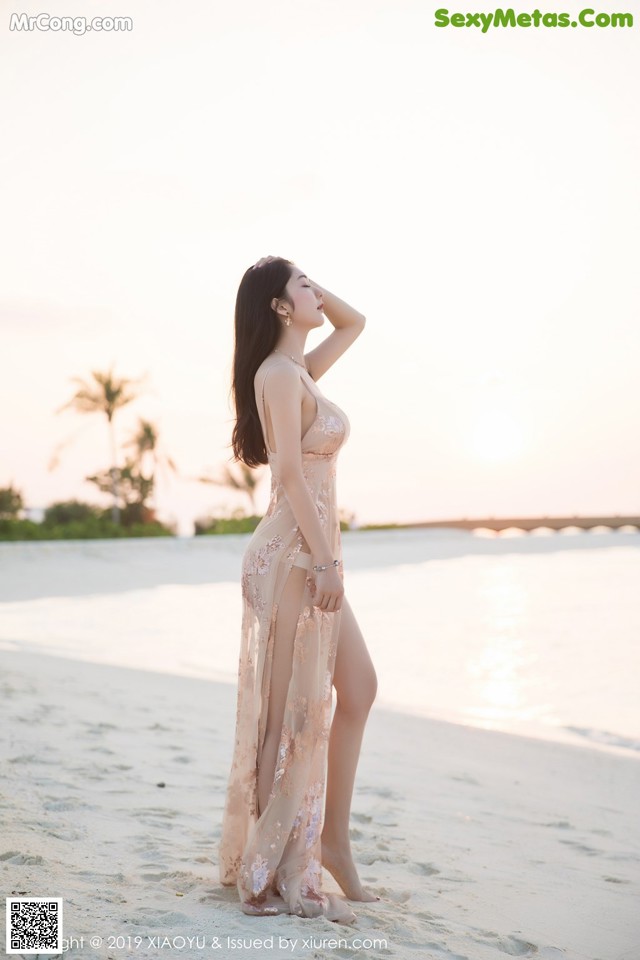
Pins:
x: 279, y: 376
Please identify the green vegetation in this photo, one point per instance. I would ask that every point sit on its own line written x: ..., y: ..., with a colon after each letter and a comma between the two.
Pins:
x: 218, y: 525
x: 386, y: 526
x: 131, y: 486
x: 235, y: 524
x: 74, y: 520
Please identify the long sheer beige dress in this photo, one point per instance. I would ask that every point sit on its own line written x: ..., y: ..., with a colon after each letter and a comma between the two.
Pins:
x: 274, y: 855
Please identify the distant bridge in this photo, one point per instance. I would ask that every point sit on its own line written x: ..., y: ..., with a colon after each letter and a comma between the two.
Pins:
x: 533, y: 523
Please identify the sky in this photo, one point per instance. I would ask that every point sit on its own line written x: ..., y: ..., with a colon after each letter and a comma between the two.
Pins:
x: 474, y: 195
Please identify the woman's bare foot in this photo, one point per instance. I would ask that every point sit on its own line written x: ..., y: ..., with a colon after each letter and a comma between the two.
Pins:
x: 336, y: 908
x: 272, y: 905
x: 343, y: 870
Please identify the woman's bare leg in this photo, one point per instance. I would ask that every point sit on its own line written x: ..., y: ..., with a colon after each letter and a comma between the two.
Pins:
x: 289, y: 609
x: 356, y: 687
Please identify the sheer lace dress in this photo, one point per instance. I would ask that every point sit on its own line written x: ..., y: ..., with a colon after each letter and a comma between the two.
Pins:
x: 274, y: 855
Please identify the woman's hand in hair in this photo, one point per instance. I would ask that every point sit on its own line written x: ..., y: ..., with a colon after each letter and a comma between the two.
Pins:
x: 262, y: 261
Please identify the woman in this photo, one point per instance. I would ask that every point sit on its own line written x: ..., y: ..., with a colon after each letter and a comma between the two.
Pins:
x: 299, y: 634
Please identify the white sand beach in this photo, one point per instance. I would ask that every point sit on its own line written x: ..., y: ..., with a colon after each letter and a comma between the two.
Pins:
x: 481, y: 844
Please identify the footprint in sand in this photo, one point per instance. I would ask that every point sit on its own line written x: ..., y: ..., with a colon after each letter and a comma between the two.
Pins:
x: 23, y: 859
x: 361, y: 817
x: 98, y: 727
x: 369, y: 858
x: 67, y: 803
x: 465, y: 778
x: 582, y: 847
x: 384, y: 792
x: 396, y: 896
x: 425, y: 869
x: 513, y: 946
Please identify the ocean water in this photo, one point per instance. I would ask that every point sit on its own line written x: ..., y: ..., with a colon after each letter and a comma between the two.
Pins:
x: 536, y: 635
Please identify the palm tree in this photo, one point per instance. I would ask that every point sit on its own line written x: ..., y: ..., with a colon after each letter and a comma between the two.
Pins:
x: 147, y: 446
x: 247, y: 482
x: 11, y: 502
x: 134, y: 490
x: 105, y: 394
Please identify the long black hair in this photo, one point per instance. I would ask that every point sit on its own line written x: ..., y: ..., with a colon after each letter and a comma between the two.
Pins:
x: 257, y: 329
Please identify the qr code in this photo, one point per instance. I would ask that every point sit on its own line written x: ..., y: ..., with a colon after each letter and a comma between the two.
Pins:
x: 34, y: 924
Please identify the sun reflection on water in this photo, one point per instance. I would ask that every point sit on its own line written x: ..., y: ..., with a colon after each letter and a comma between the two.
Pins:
x: 498, y: 671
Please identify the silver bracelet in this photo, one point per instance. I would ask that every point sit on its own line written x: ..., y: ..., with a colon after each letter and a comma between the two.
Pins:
x: 325, y: 566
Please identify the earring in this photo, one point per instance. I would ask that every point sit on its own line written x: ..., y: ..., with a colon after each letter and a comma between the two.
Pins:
x: 288, y: 321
